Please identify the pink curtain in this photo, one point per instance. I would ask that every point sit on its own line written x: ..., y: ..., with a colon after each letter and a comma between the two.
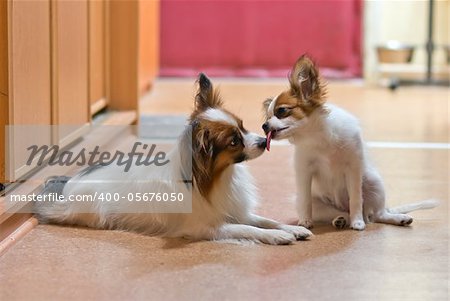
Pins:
x: 259, y: 38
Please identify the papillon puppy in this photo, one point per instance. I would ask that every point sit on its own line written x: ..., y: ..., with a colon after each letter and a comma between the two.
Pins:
x: 335, y: 181
x: 223, y: 194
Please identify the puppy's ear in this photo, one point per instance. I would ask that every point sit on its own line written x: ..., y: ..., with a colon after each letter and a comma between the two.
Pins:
x: 306, y: 83
x: 206, y: 96
x: 266, y: 104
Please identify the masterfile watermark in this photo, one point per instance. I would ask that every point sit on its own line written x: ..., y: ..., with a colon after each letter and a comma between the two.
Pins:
x: 94, y: 157
x: 128, y: 169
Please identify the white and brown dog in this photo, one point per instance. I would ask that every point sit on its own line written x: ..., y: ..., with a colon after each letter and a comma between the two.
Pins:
x: 223, y: 194
x: 335, y: 180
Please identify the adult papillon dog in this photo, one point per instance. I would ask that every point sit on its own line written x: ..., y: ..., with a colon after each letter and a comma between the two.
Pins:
x: 223, y: 194
x: 335, y: 181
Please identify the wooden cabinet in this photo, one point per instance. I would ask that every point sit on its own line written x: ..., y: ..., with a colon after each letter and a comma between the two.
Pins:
x: 62, y: 61
x: 47, y: 76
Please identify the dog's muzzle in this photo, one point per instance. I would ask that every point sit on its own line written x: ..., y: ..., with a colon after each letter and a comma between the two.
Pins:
x: 262, y: 142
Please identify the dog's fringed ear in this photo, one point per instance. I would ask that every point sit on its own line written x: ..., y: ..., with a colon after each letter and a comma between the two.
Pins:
x: 186, y: 152
x: 206, y: 96
x: 201, y: 138
x: 202, y: 160
x: 306, y: 83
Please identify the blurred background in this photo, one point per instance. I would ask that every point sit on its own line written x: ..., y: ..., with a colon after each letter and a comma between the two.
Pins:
x: 88, y: 63
x: 264, y: 38
x: 68, y: 62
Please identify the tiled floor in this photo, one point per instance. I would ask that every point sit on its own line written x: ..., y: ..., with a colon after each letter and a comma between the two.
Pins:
x: 382, y: 263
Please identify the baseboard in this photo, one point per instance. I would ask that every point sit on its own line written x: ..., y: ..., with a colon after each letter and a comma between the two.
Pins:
x: 14, y: 228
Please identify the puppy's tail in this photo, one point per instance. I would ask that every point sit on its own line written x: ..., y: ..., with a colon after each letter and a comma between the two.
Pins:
x: 427, y: 204
x: 50, y: 211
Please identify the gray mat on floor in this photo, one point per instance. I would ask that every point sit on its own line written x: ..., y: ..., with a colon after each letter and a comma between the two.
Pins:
x: 162, y: 126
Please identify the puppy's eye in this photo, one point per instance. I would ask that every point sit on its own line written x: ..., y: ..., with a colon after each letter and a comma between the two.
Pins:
x: 282, y: 112
x: 235, y: 141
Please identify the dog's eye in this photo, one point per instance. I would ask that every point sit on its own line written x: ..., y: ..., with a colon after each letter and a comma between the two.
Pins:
x: 235, y: 141
x: 281, y: 112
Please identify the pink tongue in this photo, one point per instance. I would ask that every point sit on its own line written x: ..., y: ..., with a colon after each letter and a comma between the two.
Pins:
x: 269, y: 137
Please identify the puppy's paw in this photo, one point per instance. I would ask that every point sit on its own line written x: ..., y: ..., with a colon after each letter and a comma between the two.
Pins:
x: 277, y: 237
x: 300, y: 233
x: 358, y: 225
x: 406, y: 220
x: 307, y: 223
x: 339, y: 222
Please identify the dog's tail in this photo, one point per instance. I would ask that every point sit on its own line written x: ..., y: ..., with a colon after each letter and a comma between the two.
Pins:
x: 427, y: 204
x: 51, y: 211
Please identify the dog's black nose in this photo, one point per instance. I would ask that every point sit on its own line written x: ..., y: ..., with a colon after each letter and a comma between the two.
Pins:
x: 262, y: 142
x: 265, y: 127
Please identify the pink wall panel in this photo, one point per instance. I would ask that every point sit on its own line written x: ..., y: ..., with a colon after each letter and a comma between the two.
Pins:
x: 259, y: 38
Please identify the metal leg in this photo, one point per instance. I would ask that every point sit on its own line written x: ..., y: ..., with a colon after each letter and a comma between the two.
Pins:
x: 430, y: 44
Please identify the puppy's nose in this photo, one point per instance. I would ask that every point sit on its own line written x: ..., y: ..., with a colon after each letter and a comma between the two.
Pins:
x: 262, y: 142
x: 265, y: 127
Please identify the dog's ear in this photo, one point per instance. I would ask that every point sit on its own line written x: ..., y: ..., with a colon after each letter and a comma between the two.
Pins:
x: 202, y: 159
x: 306, y: 83
x: 266, y: 104
x: 207, y: 96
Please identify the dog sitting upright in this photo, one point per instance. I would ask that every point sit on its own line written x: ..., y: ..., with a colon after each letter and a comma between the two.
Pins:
x: 335, y: 181
x: 223, y: 194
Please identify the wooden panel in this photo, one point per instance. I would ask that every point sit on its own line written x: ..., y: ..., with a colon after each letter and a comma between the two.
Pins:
x: 29, y: 78
x: 71, y: 62
x: 30, y: 62
x: 4, y: 107
x: 123, y: 55
x: 96, y: 52
x: 3, y: 122
x: 133, y: 45
x: 70, y: 73
x: 148, y: 43
x: 3, y: 48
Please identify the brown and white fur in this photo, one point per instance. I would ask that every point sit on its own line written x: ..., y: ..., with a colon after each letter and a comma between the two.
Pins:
x: 223, y: 195
x: 335, y: 180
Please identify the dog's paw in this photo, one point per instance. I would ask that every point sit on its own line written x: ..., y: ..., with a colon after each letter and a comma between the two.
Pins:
x: 307, y: 223
x: 358, y: 225
x: 300, y: 233
x: 339, y: 222
x: 406, y: 221
x: 277, y: 237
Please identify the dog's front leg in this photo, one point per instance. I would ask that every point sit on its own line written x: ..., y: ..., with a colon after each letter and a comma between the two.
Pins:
x: 353, y: 178
x: 299, y: 232
x: 240, y: 231
x: 304, y: 198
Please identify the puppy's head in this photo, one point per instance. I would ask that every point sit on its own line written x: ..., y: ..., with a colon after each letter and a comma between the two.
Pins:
x: 219, y: 138
x: 291, y: 108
